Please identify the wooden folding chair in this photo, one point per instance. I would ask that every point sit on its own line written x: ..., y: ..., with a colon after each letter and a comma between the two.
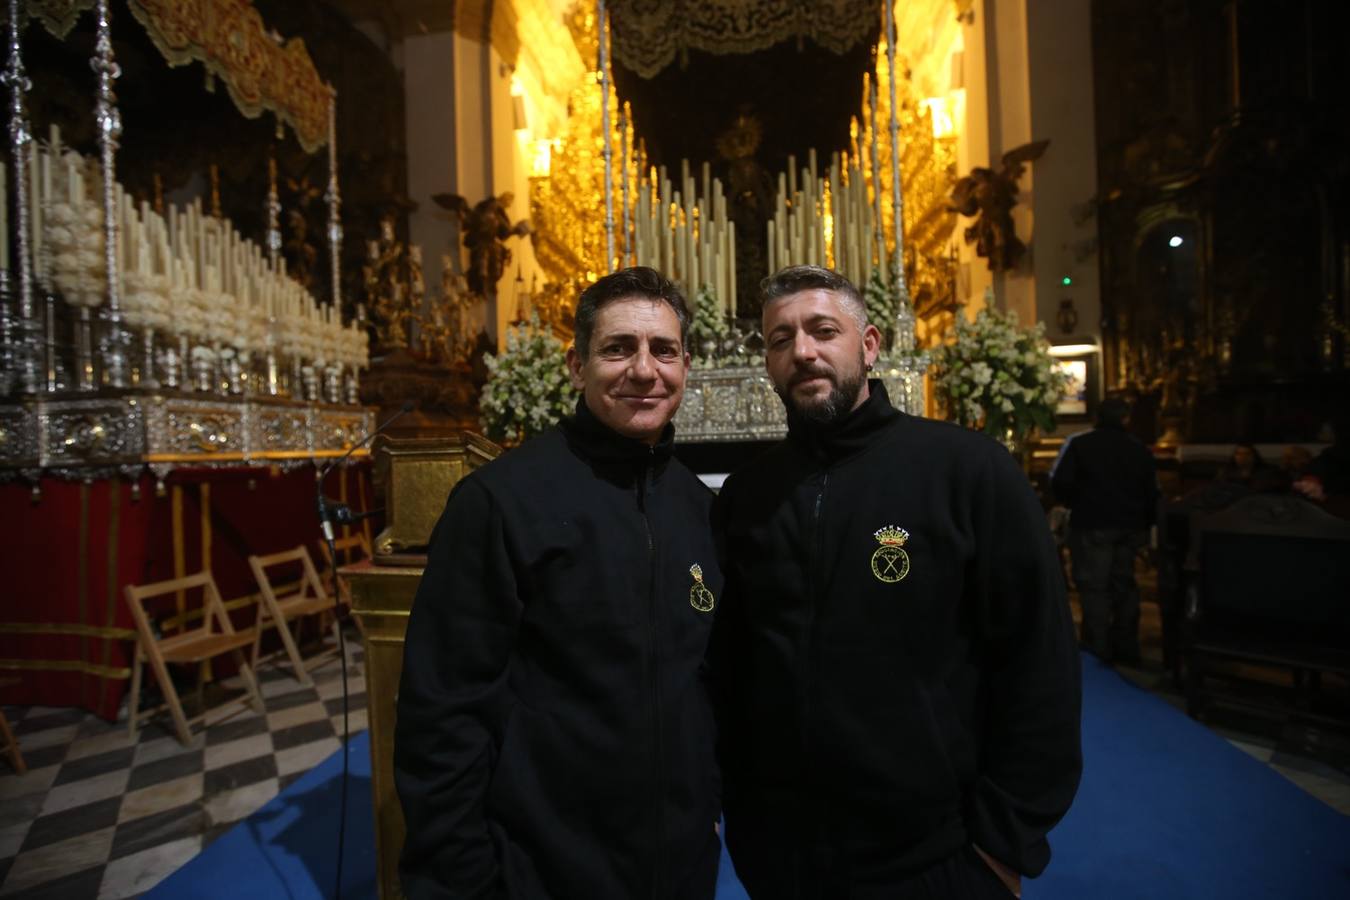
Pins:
x: 277, y: 609
x: 214, y: 636
x: 9, y: 744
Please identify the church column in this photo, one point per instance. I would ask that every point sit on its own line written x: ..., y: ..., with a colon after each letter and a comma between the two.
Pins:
x: 1059, y: 38
x: 431, y: 101
x: 1027, y: 69
x: 1010, y: 125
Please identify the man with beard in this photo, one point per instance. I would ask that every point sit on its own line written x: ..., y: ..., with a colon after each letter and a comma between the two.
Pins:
x: 894, y: 663
x: 554, y: 734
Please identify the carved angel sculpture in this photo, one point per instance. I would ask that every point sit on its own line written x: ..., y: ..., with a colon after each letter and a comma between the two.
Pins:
x: 485, y: 227
x: 990, y: 196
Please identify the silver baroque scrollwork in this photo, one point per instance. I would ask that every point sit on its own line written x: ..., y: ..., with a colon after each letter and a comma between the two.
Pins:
x: 83, y: 432
x: 193, y: 431
x: 730, y: 405
x: 284, y: 428
x: 88, y: 438
x: 18, y: 435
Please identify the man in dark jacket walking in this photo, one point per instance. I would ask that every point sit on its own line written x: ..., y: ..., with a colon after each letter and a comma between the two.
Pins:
x: 894, y: 663
x: 1108, y: 480
x: 554, y: 734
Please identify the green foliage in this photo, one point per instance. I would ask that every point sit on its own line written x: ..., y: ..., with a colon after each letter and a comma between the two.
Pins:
x: 709, y: 327
x: 879, y: 296
x: 528, y: 389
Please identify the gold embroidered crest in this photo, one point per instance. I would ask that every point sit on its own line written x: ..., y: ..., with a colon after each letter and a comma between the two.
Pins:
x: 700, y: 598
x: 890, y: 562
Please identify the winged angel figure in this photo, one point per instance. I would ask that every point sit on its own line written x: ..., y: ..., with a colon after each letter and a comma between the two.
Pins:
x: 485, y: 227
x: 990, y: 196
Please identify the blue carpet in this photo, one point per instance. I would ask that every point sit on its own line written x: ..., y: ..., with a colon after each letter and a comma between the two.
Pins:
x: 289, y: 847
x: 1167, y: 811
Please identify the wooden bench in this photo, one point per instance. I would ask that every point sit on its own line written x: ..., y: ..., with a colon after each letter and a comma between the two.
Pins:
x: 1268, y: 585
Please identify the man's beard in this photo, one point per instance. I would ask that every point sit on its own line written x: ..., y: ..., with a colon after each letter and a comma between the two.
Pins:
x: 837, y: 403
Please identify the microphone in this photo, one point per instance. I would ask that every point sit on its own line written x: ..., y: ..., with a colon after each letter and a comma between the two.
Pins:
x: 334, y: 512
x: 342, y: 514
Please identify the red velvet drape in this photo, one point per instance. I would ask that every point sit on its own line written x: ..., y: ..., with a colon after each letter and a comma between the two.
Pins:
x: 65, y: 629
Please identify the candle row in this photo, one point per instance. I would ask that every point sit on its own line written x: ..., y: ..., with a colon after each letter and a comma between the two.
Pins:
x: 797, y: 232
x: 687, y: 235
x: 188, y: 273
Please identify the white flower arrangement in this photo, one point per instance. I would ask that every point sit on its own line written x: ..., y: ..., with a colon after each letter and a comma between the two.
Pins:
x: 998, y: 377
x: 74, y: 240
x: 145, y: 300
x: 528, y: 389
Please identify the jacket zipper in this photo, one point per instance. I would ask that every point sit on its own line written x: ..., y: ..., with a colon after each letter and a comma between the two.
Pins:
x: 658, y: 739
x: 815, y: 562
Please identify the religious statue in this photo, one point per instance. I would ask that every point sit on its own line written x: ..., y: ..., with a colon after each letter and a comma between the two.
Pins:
x: 991, y: 196
x: 485, y: 227
x: 750, y: 200
x: 455, y: 300
x: 302, y: 256
x: 436, y: 332
x: 387, y: 294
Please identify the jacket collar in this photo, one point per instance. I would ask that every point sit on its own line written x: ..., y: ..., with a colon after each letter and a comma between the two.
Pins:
x: 848, y: 435
x: 597, y: 442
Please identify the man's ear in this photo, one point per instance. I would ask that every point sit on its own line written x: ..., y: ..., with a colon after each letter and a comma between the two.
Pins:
x: 871, y: 344
x: 574, y: 363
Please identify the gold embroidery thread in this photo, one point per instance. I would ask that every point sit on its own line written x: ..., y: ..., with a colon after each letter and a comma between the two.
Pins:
x: 700, y: 598
x: 890, y: 562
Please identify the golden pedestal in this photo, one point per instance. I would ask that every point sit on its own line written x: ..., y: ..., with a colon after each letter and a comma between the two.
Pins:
x: 382, y: 597
x: 418, y: 475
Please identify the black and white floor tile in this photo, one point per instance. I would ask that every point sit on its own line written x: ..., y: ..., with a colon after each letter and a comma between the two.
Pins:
x: 102, y: 816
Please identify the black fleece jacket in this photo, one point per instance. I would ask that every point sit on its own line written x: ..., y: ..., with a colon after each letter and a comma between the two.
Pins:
x: 877, y: 717
x: 555, y: 735
x: 1108, y: 479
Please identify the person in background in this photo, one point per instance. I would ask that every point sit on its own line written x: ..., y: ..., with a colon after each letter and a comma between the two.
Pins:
x: 1108, y: 480
x: 1327, y: 479
x: 1247, y: 468
x: 1294, y: 461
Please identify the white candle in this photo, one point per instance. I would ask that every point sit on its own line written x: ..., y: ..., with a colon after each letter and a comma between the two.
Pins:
x: 731, y: 262
x: 4, y: 220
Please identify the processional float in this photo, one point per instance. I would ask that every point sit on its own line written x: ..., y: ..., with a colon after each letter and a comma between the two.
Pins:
x: 836, y: 219
x: 136, y: 339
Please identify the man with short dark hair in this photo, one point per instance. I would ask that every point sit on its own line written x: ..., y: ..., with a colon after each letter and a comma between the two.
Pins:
x: 1109, y: 482
x: 893, y: 663
x: 554, y: 734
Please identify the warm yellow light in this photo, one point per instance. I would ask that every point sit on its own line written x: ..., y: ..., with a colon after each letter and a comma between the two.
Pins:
x: 940, y: 112
x: 517, y: 89
x: 541, y: 160
x: 1072, y: 349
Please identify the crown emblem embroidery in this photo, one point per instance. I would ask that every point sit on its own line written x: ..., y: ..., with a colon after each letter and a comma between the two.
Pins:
x: 700, y: 598
x: 890, y: 562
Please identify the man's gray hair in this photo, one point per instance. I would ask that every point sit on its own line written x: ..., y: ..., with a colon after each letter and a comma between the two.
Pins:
x: 795, y: 279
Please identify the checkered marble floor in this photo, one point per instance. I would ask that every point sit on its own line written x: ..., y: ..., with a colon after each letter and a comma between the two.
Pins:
x: 100, y: 816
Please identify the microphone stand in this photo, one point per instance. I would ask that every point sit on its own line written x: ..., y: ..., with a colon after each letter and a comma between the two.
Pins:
x: 326, y: 518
